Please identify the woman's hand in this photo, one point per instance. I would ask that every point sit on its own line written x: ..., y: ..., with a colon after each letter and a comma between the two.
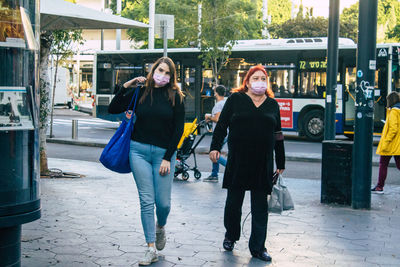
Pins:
x: 134, y: 81
x: 128, y: 114
x: 165, y: 167
x: 214, y: 156
x: 280, y: 171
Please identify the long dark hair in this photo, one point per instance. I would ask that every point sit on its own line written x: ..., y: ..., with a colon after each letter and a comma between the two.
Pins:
x: 173, y: 87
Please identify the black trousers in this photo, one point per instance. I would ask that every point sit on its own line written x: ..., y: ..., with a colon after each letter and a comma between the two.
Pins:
x: 259, y: 217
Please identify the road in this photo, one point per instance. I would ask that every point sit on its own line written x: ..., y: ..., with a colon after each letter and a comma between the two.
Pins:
x: 294, y: 169
x: 90, y: 127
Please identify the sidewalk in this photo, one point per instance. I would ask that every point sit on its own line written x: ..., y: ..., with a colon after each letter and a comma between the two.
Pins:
x: 95, y: 221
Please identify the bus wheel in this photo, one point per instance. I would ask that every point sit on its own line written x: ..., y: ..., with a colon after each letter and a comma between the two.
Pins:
x: 313, y: 125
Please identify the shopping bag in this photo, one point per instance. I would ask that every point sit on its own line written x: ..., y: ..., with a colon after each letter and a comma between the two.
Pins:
x: 280, y: 199
x: 115, y: 155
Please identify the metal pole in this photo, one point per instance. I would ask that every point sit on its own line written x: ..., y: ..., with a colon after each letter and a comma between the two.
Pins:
x: 364, y: 119
x: 164, y: 26
x: 152, y: 10
x: 390, y: 66
x: 74, y: 129
x: 199, y: 7
x: 264, y: 32
x: 330, y: 100
x: 118, y: 31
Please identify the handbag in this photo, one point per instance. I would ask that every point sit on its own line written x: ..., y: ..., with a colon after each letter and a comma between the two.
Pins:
x: 115, y: 155
x: 280, y: 199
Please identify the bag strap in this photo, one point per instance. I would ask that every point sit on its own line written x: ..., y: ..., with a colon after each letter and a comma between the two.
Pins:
x: 134, y: 98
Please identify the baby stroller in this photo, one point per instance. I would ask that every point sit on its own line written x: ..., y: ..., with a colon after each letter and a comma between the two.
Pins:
x: 187, y: 146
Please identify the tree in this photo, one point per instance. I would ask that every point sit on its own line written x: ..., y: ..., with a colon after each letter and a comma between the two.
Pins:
x: 349, y: 23
x: 222, y: 23
x: 394, y: 34
x: 300, y: 27
x: 61, y: 48
x: 58, y: 44
x: 248, y: 12
x: 280, y: 10
x: 388, y: 18
x: 186, y: 25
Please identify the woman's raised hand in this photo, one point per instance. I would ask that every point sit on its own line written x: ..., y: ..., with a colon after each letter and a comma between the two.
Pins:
x: 134, y: 81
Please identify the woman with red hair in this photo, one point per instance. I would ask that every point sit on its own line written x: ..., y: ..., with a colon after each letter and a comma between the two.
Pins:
x: 253, y: 119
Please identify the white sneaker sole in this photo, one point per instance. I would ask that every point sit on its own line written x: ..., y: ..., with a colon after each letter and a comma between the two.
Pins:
x: 142, y: 263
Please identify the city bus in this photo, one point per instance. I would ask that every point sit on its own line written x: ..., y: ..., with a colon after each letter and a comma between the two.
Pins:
x: 297, y: 75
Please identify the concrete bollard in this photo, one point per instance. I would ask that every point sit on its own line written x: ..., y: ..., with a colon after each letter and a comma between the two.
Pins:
x: 74, y: 129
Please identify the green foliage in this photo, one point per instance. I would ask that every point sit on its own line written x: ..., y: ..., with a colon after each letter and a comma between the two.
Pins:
x: 185, y: 20
x: 349, y: 23
x: 300, y: 27
x: 280, y: 10
x: 222, y: 23
x: 186, y: 30
x: 388, y: 18
x: 63, y: 41
x: 394, y: 34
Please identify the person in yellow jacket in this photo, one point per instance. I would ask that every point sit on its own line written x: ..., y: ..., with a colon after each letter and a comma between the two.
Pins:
x: 389, y: 145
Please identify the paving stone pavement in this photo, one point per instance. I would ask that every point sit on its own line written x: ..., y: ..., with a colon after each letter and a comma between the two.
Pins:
x: 95, y: 221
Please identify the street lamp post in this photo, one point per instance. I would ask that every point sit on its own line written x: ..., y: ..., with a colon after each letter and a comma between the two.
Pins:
x: 364, y: 105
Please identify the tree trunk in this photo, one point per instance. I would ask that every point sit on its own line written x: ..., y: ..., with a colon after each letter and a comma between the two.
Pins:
x: 45, y: 43
x: 53, y: 95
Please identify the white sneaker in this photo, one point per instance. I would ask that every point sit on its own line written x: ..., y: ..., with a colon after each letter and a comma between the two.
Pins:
x: 160, y: 238
x: 149, y: 257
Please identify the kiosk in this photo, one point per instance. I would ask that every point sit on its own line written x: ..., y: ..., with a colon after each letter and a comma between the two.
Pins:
x: 19, y: 120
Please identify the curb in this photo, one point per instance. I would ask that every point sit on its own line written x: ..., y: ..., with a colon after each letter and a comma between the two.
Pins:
x: 299, y: 157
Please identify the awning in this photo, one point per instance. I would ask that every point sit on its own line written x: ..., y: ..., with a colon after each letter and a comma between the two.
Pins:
x: 60, y: 15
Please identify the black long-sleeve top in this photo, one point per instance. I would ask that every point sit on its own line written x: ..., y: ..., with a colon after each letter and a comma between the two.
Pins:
x: 157, y: 121
x: 254, y: 135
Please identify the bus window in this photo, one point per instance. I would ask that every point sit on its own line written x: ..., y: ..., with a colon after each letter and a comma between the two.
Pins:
x: 188, y: 88
x: 350, y: 83
x: 280, y: 81
x: 104, y: 81
x: 396, y: 78
x: 380, y: 91
x: 312, y: 84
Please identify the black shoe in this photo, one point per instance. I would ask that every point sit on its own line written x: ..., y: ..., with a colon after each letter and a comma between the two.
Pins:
x: 228, y: 245
x: 264, y: 256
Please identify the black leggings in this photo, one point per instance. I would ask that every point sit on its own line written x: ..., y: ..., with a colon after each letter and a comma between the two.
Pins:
x: 259, y: 220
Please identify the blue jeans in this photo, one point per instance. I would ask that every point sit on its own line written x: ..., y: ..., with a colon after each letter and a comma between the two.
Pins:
x: 153, y: 189
x: 221, y: 160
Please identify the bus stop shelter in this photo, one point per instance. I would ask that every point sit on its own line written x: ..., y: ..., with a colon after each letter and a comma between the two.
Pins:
x: 62, y: 15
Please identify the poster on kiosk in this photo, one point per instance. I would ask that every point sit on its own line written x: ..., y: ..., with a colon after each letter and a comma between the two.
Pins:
x: 15, y: 111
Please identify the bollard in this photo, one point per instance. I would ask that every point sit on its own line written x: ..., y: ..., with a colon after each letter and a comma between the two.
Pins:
x: 74, y: 129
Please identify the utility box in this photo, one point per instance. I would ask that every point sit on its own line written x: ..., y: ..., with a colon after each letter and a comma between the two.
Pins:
x: 336, y: 180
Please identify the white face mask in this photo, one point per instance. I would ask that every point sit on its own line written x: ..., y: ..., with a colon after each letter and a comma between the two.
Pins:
x: 258, y: 88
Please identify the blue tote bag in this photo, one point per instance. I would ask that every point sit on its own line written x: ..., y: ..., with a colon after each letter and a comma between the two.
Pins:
x: 115, y: 155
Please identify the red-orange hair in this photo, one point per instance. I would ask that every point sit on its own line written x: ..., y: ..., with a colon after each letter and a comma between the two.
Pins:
x: 252, y: 70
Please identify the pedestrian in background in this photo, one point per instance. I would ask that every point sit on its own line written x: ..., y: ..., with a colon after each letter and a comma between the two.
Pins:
x: 389, y: 145
x: 214, y: 116
x: 254, y: 124
x: 158, y: 128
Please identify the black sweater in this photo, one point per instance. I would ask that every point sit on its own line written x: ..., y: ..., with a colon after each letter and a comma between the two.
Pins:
x: 254, y: 134
x: 157, y: 121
